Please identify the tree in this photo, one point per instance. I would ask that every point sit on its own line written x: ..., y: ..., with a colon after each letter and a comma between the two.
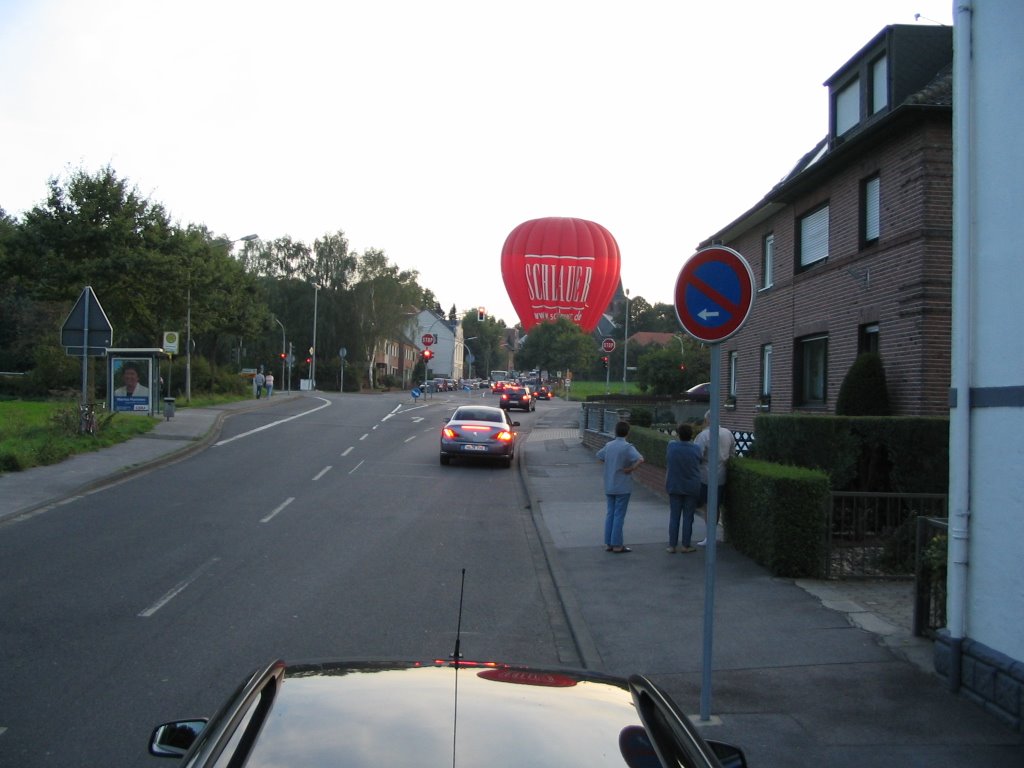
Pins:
x: 558, y: 344
x: 379, y: 295
x: 864, y: 391
x: 487, y: 338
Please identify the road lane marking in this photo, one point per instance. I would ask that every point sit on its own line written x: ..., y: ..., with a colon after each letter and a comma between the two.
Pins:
x: 364, y: 436
x: 322, y: 472
x: 178, y: 589
x: 280, y: 507
x: 411, y: 437
x: 347, y: 451
x: 357, y: 466
x: 326, y: 404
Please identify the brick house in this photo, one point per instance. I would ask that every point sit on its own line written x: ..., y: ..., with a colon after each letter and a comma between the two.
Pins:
x: 851, y: 251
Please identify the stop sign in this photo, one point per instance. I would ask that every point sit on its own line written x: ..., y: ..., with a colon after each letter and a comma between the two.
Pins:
x: 427, y: 339
x: 608, y: 345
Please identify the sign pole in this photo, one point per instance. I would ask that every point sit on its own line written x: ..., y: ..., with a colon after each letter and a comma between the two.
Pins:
x: 710, y: 548
x: 85, y: 350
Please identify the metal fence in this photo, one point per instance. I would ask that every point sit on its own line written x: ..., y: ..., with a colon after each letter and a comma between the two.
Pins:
x: 930, y: 576
x: 874, y: 535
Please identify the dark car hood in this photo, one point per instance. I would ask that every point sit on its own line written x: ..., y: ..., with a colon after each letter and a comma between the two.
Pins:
x: 396, y: 715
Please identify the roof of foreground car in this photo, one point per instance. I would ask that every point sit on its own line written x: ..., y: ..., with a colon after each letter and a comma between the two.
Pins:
x: 443, y: 713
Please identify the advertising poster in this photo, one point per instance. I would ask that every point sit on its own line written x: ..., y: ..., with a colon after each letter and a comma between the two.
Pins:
x: 132, y: 377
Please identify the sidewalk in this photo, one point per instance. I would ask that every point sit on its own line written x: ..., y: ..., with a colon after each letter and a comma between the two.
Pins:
x: 805, y: 673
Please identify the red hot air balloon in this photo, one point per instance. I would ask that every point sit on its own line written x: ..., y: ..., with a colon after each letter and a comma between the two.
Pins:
x: 560, y: 267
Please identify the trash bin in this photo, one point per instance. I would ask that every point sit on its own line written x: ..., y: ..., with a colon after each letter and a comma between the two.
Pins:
x: 168, y: 408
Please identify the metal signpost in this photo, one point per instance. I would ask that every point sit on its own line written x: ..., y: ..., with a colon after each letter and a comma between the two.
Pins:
x: 713, y: 298
x: 87, y: 333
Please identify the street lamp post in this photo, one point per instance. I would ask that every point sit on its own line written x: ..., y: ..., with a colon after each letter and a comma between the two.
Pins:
x: 188, y: 321
x: 312, y: 350
x: 625, y: 345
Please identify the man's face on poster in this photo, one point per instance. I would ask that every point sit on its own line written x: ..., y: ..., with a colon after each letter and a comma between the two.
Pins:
x: 130, y: 377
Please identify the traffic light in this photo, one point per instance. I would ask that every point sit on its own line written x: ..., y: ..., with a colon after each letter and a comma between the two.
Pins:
x: 604, y: 361
x: 427, y: 355
x: 481, y: 314
x: 283, y: 355
x: 682, y: 366
x: 309, y: 360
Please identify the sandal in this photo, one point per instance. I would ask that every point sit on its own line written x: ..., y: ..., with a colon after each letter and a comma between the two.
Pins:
x: 620, y: 550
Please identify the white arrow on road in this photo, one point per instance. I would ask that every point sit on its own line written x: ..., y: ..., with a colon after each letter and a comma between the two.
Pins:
x: 705, y: 314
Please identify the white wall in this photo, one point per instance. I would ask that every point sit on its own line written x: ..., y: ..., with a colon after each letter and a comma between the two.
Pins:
x: 994, y: 610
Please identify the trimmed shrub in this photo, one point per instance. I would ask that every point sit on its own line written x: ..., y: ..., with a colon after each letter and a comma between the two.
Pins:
x: 864, y: 391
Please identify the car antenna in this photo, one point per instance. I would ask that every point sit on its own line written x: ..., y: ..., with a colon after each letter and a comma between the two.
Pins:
x: 458, y: 630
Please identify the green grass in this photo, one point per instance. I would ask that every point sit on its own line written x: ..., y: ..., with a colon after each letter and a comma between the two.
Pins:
x: 38, y: 433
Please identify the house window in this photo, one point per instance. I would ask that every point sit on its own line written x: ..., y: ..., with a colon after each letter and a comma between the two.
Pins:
x: 848, y: 107
x: 766, y: 371
x: 812, y: 236
x: 879, y: 84
x: 867, y: 338
x: 768, y: 260
x: 870, y: 196
x: 811, y: 367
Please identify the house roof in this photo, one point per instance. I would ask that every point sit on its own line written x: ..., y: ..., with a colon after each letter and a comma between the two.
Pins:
x: 644, y: 338
x: 937, y: 94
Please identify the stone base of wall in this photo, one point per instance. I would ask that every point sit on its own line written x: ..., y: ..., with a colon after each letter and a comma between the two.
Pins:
x: 989, y: 678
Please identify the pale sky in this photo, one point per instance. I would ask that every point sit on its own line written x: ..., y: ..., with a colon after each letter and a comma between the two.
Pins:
x: 431, y: 129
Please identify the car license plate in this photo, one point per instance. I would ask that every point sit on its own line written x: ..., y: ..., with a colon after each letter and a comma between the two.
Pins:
x: 474, y: 447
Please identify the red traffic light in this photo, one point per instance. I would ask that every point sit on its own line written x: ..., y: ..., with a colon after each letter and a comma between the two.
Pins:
x: 309, y: 359
x: 282, y: 355
x: 427, y: 354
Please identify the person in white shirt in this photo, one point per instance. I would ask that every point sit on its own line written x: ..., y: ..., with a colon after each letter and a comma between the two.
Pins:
x: 726, y: 447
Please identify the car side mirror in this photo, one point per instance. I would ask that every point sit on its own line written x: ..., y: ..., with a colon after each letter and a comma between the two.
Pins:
x: 175, y: 739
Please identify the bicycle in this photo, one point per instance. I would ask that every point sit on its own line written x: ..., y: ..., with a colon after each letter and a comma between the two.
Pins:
x: 87, y: 419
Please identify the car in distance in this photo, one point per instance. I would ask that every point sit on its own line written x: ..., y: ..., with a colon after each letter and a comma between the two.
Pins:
x: 543, y: 392
x: 518, y: 397
x: 441, y: 712
x: 701, y: 393
x: 479, y: 432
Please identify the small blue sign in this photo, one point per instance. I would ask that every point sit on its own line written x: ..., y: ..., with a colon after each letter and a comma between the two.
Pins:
x: 416, y: 392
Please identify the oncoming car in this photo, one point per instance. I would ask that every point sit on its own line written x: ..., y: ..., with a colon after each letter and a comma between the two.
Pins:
x: 479, y: 432
x: 441, y: 713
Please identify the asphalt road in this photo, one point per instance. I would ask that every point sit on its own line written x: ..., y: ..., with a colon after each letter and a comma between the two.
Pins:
x: 320, y: 527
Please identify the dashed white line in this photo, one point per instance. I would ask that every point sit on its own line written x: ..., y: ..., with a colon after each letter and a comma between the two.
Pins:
x: 280, y: 507
x: 178, y: 589
x: 347, y: 451
x: 322, y: 472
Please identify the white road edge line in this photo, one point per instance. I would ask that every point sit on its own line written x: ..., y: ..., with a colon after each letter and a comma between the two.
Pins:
x: 326, y: 404
x: 175, y: 591
x: 280, y: 507
x: 357, y: 466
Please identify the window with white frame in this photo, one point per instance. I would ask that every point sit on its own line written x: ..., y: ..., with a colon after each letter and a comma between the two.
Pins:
x: 870, y: 199
x: 811, y: 370
x: 879, y: 84
x: 766, y: 371
x: 812, y: 236
x: 848, y: 107
x: 768, y: 260
x: 734, y: 358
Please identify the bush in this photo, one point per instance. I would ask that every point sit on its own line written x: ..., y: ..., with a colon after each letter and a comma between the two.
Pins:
x: 864, y: 391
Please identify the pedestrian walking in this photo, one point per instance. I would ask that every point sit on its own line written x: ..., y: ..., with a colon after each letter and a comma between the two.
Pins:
x: 269, y: 383
x: 682, y: 483
x: 620, y: 459
x: 726, y: 447
x: 258, y: 381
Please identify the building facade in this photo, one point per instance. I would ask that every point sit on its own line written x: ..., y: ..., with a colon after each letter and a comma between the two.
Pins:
x: 851, y: 251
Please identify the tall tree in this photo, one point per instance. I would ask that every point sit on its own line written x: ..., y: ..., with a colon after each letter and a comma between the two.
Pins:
x: 558, y: 344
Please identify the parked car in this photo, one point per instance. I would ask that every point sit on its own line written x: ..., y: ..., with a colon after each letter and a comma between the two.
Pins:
x: 700, y: 393
x: 479, y: 432
x: 518, y: 397
x: 388, y: 713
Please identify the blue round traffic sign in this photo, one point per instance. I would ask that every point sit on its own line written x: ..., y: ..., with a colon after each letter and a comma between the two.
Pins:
x: 714, y: 294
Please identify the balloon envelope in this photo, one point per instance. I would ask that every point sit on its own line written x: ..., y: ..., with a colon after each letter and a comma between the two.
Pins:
x: 560, y: 267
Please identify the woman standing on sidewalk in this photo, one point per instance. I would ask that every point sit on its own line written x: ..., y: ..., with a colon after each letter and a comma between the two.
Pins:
x: 682, y: 483
x: 620, y: 459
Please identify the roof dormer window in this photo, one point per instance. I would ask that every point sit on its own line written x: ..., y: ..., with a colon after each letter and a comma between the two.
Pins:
x: 879, y: 84
x: 848, y: 107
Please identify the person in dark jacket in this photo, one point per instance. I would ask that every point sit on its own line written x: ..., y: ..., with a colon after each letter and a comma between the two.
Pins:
x: 682, y: 483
